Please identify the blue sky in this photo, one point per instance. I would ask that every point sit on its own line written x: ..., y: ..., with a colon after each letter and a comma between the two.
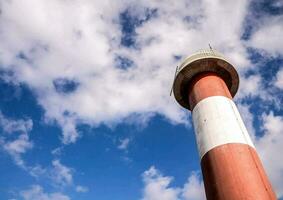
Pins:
x: 85, y: 110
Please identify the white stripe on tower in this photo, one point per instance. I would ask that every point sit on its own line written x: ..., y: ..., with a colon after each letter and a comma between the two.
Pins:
x: 216, y: 122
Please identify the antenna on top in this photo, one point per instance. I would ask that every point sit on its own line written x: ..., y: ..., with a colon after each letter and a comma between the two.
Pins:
x: 176, y: 71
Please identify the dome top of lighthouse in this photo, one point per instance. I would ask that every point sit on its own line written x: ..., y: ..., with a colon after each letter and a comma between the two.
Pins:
x: 201, y: 54
x: 203, y: 61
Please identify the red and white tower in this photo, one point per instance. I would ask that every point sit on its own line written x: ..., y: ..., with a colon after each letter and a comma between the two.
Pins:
x: 206, y: 83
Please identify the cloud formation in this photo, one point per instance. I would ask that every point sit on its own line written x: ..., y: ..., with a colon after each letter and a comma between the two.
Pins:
x: 124, y: 143
x: 157, y: 186
x: 15, y: 138
x: 86, y: 64
x: 279, y: 79
x: 36, y: 192
x: 262, y: 39
x: 74, y: 64
x: 61, y: 174
x: 194, y: 188
x: 81, y: 189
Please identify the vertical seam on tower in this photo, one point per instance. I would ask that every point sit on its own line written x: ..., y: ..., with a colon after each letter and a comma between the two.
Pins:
x: 260, y: 174
x: 238, y: 121
x: 236, y: 178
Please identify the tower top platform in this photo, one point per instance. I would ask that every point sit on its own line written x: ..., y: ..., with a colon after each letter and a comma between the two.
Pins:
x: 200, y: 62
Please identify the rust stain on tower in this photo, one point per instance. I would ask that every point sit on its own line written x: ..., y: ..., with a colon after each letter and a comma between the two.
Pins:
x: 206, y: 83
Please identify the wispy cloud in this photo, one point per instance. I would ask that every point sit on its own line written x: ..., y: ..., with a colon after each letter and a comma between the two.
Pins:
x: 124, y: 143
x: 12, y: 126
x: 15, y: 140
x: 36, y: 192
x: 61, y: 174
x: 58, y: 175
x: 279, y: 79
x: 17, y: 147
x: 81, y: 189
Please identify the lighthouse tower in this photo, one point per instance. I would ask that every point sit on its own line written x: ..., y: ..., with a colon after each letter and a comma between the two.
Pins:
x: 205, y: 84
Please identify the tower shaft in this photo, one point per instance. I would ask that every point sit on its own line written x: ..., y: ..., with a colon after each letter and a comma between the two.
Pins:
x: 206, y: 83
x: 230, y: 165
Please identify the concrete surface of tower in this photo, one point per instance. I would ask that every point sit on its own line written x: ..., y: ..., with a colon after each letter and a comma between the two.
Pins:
x: 206, y: 83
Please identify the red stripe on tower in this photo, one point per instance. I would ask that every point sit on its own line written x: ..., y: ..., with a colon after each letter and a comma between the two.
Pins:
x: 206, y: 83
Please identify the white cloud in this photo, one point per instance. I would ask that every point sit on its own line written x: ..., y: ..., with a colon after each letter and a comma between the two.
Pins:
x: 58, y: 175
x: 269, y: 147
x: 82, y: 189
x: 36, y: 192
x: 61, y: 174
x: 37, y: 171
x: 11, y: 126
x: 82, y: 40
x: 279, y: 79
x: 18, y: 146
x: 268, y: 35
x: 57, y: 151
x: 253, y: 87
x: 124, y: 143
x: 194, y: 188
x: 250, y: 86
x: 158, y: 187
x: 248, y: 118
x: 15, y: 140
